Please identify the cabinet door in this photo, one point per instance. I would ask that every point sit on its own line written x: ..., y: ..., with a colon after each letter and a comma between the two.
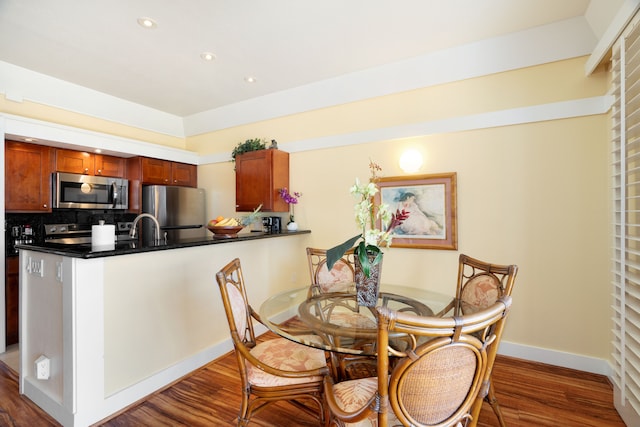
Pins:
x: 12, y: 300
x: 28, y: 169
x: 184, y: 174
x: 156, y: 171
x: 259, y: 177
x: 109, y: 166
x: 72, y: 161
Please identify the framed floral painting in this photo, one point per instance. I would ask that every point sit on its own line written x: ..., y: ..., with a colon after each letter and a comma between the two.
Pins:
x: 430, y: 201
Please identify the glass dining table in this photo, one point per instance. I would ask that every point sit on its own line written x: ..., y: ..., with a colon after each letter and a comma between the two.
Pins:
x: 334, y: 322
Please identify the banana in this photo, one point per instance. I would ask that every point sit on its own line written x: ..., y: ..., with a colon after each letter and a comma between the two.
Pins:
x: 227, y: 222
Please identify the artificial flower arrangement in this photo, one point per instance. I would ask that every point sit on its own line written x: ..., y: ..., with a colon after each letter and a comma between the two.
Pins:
x: 366, y: 215
x: 291, y: 199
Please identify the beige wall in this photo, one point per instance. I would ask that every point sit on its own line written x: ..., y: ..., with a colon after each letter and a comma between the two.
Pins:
x: 533, y: 194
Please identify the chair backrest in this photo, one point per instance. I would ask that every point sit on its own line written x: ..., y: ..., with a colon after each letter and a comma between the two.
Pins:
x: 342, y: 273
x: 481, y: 284
x: 236, y: 305
x: 440, y: 370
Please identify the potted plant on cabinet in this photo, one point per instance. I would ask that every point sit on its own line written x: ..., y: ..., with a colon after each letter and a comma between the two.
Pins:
x: 252, y: 144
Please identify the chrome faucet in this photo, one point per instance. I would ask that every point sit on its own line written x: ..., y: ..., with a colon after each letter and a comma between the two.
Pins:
x: 132, y: 233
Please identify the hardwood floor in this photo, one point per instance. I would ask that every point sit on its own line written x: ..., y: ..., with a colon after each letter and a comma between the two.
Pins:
x: 531, y: 394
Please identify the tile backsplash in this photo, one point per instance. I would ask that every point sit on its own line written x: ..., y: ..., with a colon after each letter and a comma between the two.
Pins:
x: 17, y: 225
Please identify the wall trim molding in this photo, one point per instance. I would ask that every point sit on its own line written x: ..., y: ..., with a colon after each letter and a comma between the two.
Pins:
x: 64, y: 136
x: 514, y: 116
x: 82, y: 139
x: 556, y: 358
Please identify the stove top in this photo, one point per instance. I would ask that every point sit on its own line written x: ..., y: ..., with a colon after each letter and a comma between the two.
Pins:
x: 79, y: 234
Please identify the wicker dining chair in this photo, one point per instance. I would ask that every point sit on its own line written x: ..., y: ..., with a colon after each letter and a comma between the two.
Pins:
x: 273, y: 370
x: 479, y: 285
x: 435, y: 380
x: 341, y: 278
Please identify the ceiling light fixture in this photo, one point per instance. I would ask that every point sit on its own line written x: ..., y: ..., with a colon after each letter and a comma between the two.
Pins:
x: 208, y: 56
x: 147, y: 23
x: 250, y: 79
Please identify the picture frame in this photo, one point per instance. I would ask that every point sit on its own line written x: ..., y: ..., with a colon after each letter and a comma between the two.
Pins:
x: 430, y: 201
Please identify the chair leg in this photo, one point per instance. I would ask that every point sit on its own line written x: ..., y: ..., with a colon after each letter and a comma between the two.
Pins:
x: 493, y: 401
x: 243, y: 417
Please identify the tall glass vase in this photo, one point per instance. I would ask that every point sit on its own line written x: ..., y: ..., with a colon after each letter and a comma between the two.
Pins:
x: 367, y: 288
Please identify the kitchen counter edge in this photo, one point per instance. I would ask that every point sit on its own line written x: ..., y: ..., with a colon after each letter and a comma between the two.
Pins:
x: 86, y: 252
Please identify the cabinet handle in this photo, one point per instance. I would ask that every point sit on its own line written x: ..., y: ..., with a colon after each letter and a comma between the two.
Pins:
x: 99, y: 171
x: 86, y: 170
x: 44, y: 206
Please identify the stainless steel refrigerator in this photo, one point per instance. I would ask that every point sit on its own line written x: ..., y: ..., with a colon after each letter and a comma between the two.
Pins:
x: 181, y: 212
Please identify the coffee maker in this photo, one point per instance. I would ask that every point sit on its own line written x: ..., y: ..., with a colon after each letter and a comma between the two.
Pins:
x: 272, y: 224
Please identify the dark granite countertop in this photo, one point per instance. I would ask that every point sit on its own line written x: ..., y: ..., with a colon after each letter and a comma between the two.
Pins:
x: 128, y: 247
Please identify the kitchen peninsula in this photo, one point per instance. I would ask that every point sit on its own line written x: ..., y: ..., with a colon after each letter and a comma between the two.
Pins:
x: 114, y: 326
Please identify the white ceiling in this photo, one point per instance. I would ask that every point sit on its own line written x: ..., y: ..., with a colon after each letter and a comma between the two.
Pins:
x: 284, y: 44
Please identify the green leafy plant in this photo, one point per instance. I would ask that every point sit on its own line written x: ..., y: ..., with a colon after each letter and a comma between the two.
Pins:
x: 253, y: 144
x: 367, y: 213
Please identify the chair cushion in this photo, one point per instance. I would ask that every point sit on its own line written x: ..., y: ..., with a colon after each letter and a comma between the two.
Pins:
x: 352, y: 320
x: 479, y: 293
x: 283, y: 354
x: 354, y: 394
x: 340, y: 278
x: 238, y: 307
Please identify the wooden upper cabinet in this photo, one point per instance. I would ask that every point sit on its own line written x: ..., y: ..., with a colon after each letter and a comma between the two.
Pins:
x: 155, y: 171
x: 72, y: 161
x: 81, y: 162
x: 28, y: 169
x: 164, y: 172
x: 147, y: 171
x: 259, y: 177
x: 184, y: 174
x: 108, y: 166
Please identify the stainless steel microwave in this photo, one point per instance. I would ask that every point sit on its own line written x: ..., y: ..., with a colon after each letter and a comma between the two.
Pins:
x: 76, y: 191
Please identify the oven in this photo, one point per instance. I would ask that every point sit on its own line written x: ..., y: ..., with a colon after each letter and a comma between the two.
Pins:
x: 76, y: 191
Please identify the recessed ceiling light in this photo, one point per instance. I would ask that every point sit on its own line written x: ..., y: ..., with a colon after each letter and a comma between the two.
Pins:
x: 147, y: 23
x: 250, y: 79
x: 208, y: 56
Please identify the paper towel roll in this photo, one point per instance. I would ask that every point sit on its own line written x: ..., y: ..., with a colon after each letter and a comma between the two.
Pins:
x: 103, y: 237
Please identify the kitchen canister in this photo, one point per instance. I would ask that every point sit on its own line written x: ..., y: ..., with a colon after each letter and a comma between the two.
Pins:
x: 103, y: 237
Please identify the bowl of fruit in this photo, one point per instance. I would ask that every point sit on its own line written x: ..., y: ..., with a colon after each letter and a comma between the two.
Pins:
x: 224, y: 228
x: 228, y: 228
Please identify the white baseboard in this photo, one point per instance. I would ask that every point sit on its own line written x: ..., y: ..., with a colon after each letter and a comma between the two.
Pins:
x: 556, y: 358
